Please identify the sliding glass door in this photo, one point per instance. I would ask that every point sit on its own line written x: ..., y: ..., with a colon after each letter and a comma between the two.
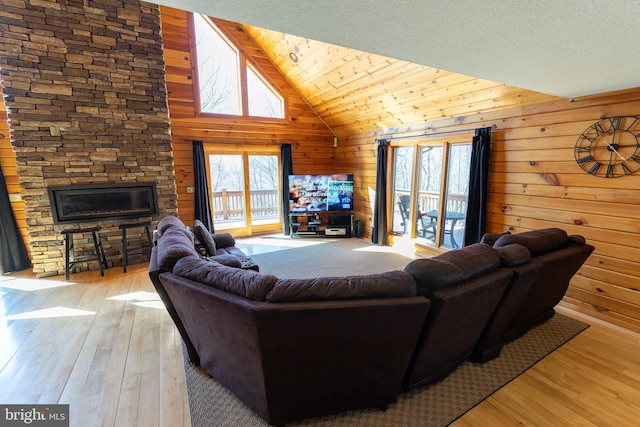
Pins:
x: 245, y: 191
x: 227, y: 191
x: 457, y: 194
x: 431, y: 188
x: 402, y: 189
x: 263, y: 190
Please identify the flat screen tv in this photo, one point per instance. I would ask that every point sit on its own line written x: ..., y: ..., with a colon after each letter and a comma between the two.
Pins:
x: 315, y: 193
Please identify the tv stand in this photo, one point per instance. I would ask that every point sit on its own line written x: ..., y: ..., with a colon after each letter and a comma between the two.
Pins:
x: 320, y: 224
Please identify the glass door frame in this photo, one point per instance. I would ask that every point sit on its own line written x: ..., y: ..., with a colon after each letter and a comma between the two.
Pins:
x: 423, y: 141
x: 245, y: 151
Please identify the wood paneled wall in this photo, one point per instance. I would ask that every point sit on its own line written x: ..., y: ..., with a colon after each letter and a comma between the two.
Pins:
x: 536, y: 183
x: 311, y: 140
x: 9, y: 170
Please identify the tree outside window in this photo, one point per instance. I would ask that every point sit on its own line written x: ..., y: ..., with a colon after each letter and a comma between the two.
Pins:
x: 220, y: 66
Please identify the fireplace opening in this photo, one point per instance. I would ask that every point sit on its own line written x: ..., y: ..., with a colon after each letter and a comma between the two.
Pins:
x: 79, y: 203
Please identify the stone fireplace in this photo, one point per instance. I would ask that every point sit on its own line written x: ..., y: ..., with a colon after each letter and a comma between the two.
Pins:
x: 84, y: 86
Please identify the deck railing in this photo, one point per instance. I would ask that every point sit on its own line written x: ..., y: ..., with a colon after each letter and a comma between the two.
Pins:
x: 229, y: 205
x: 429, y: 201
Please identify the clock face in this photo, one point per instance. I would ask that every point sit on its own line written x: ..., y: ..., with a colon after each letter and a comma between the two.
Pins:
x: 610, y: 148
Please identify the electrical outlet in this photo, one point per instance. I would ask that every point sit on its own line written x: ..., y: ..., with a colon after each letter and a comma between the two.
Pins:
x: 191, y: 189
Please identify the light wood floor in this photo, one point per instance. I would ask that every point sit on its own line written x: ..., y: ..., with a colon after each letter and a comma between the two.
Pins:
x: 104, y: 345
x: 107, y: 347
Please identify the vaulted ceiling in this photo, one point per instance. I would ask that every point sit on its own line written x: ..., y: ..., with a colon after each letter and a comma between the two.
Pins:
x: 567, y: 48
x: 354, y: 91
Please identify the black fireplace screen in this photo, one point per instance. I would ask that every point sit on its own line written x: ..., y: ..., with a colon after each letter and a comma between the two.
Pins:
x: 77, y: 203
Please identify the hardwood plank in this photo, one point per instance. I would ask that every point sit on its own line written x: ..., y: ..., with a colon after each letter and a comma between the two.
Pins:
x: 107, y: 363
x: 588, y: 381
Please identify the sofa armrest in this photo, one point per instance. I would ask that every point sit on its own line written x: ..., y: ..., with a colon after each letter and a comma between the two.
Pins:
x: 154, y: 274
x: 226, y: 259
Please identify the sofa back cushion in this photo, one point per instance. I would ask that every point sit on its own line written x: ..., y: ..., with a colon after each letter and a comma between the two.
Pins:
x: 244, y: 283
x: 491, y: 238
x: 453, y: 267
x: 513, y: 255
x: 537, y: 241
x: 167, y: 222
x: 175, y: 243
x: 391, y: 284
x: 223, y: 240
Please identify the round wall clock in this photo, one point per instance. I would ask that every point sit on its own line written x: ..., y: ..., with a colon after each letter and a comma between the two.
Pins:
x: 610, y: 148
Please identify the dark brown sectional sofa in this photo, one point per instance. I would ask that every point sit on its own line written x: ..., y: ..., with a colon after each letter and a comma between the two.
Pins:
x: 300, y: 348
x: 543, y: 263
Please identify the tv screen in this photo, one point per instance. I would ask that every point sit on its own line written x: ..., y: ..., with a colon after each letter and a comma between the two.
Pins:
x: 314, y: 193
x: 340, y: 196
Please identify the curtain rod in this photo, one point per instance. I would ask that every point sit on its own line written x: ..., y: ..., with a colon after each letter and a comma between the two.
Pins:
x: 493, y: 127
x: 244, y: 142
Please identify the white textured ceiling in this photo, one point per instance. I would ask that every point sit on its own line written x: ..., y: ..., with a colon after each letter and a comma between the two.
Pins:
x: 567, y: 48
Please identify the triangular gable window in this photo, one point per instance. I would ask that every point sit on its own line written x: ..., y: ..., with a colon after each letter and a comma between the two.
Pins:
x: 220, y: 67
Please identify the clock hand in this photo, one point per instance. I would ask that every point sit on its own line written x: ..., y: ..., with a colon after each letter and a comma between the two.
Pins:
x: 612, y: 148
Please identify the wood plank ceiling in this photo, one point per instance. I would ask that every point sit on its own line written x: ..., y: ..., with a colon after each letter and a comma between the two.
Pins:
x: 355, y: 91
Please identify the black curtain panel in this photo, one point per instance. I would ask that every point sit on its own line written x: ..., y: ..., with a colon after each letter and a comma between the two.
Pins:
x: 380, y: 234
x: 478, y: 184
x: 286, y: 168
x: 203, y: 202
x: 13, y: 252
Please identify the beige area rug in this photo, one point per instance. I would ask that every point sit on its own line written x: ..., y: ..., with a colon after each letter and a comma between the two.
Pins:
x: 317, y: 257
x: 439, y: 404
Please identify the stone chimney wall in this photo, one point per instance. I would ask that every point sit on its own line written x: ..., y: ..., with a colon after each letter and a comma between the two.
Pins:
x: 85, y: 91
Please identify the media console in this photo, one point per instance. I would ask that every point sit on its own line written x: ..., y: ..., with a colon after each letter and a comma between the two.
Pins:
x: 320, y: 224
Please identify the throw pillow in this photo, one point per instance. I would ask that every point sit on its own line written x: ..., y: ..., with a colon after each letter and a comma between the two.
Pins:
x: 204, y: 236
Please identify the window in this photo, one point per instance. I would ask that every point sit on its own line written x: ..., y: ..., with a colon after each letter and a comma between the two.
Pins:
x: 218, y: 70
x: 430, y: 191
x: 221, y: 85
x: 263, y: 101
